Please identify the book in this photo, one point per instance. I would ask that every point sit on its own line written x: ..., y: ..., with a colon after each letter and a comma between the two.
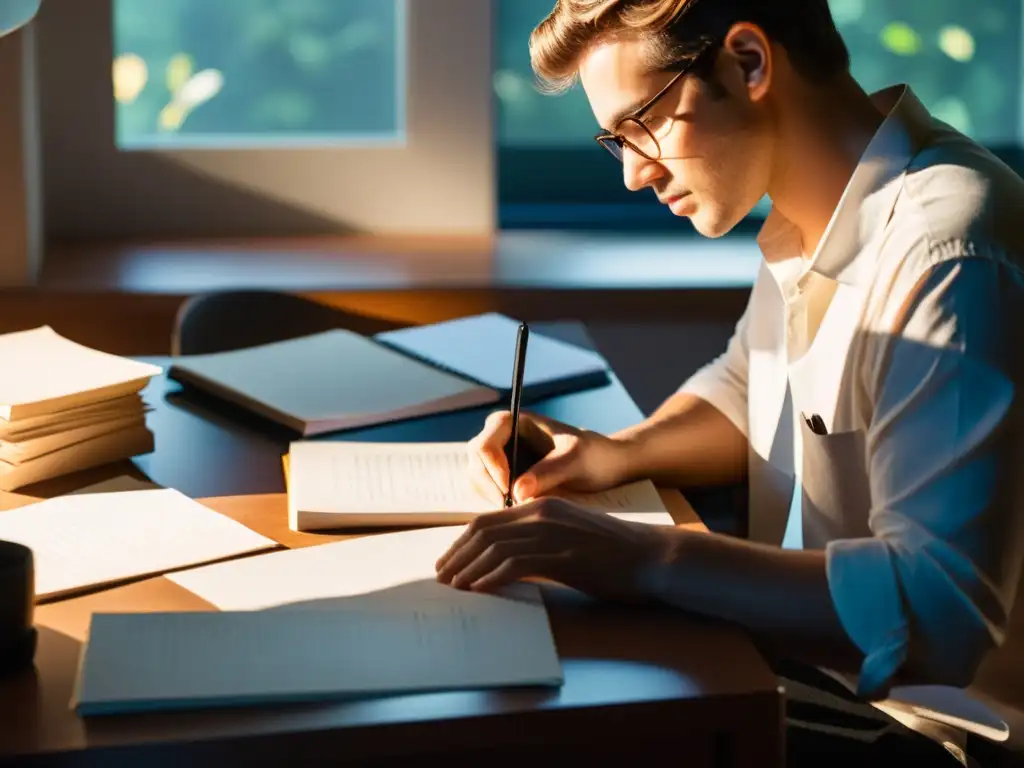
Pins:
x: 33, y: 446
x: 341, y: 484
x: 481, y: 348
x: 72, y: 418
x: 86, y: 540
x: 92, y: 452
x: 329, y: 381
x: 350, y: 619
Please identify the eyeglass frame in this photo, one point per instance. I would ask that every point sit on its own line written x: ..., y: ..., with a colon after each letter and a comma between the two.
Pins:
x: 620, y: 141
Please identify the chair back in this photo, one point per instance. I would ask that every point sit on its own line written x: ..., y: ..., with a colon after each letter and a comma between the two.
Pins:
x: 222, y: 321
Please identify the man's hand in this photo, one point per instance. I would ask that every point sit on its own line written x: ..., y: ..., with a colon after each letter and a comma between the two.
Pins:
x: 572, y: 459
x: 554, y: 539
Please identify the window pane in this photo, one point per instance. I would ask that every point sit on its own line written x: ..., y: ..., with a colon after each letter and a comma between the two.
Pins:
x: 962, y: 59
x: 527, y: 117
x: 256, y: 72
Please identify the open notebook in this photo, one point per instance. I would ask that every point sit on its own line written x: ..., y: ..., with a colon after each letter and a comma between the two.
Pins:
x: 351, y: 619
x: 352, y: 484
x: 329, y: 381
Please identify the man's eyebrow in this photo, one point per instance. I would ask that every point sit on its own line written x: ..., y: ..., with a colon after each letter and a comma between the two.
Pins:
x: 625, y: 112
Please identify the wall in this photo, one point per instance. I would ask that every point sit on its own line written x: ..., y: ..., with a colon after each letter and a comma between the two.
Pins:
x: 20, y: 179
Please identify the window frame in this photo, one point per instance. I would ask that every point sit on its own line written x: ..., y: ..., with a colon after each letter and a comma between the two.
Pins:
x: 93, y: 190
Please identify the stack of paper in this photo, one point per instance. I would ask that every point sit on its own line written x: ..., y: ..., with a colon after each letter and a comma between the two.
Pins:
x: 66, y: 407
x: 353, y: 619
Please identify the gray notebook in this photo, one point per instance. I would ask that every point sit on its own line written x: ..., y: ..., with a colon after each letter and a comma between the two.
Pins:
x: 482, y: 348
x: 330, y: 381
x: 162, y: 661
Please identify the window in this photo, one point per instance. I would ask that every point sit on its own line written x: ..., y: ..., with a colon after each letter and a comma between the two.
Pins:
x: 962, y: 59
x: 265, y: 118
x: 244, y: 72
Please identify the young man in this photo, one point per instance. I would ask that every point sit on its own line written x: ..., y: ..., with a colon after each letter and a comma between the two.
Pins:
x: 874, y: 369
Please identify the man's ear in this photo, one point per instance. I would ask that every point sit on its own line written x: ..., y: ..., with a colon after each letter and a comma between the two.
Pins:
x: 752, y: 53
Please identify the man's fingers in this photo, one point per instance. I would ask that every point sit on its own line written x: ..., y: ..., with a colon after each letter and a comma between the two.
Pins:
x: 480, y: 523
x: 483, y: 483
x: 483, y: 532
x: 537, y: 428
x: 489, y: 446
x: 554, y: 470
x: 491, y: 558
x: 516, y: 568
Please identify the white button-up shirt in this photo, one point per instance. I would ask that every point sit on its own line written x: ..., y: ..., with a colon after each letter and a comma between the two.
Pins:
x: 900, y: 333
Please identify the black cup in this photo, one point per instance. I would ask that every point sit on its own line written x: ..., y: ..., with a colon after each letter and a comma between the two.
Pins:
x: 17, y: 600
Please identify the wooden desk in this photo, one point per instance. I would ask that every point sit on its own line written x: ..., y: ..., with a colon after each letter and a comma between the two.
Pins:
x: 641, y: 686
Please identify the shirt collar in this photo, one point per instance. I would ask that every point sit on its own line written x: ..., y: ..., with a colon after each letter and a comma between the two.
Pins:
x: 868, y: 200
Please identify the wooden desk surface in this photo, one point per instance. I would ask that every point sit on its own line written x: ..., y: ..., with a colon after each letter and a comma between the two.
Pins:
x: 640, y: 684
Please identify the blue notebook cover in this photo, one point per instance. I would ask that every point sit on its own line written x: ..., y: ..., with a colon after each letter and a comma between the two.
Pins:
x: 482, y: 348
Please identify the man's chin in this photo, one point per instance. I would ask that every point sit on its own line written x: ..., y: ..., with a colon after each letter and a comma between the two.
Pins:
x: 711, y: 226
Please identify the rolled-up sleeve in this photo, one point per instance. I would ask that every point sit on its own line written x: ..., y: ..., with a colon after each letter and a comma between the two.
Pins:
x: 932, y: 588
x: 723, y: 381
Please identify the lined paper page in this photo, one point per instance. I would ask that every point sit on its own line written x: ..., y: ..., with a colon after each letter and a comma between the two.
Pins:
x: 635, y: 501
x: 361, y: 478
x: 90, y: 539
x: 390, y: 569
x: 41, y: 365
x: 382, y: 477
x: 139, y: 661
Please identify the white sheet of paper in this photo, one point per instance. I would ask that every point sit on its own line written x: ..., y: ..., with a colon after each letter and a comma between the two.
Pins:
x: 41, y: 365
x: 90, y: 539
x: 144, y: 661
x: 361, y: 478
x: 394, y: 570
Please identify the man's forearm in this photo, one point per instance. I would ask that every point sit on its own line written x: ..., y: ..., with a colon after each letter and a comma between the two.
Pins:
x: 687, y: 442
x: 781, y: 596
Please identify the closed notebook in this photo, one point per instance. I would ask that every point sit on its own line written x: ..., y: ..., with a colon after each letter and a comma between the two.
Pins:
x: 135, y: 662
x: 342, y: 484
x: 329, y: 381
x: 482, y: 348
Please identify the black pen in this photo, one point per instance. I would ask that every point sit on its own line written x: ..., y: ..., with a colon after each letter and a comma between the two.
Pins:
x: 517, y: 394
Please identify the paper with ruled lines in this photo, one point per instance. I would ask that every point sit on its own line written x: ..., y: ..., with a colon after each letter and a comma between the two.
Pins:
x: 429, y: 479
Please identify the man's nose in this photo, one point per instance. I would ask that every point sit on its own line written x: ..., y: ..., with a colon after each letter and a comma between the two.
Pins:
x: 638, y: 171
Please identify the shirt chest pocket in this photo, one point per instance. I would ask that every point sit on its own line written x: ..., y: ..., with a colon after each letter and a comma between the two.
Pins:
x: 836, y: 496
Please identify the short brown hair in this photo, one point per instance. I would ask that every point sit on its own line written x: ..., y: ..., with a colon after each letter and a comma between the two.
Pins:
x: 675, y: 29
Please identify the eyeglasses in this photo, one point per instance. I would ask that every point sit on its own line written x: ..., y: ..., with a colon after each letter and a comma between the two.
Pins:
x: 642, y: 132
